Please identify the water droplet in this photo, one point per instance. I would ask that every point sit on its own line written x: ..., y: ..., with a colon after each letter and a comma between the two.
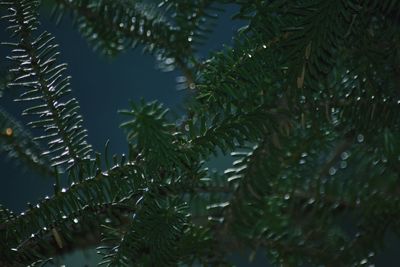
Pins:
x: 192, y: 86
x: 332, y: 171
x: 76, y: 220
x: 264, y: 46
x: 190, y: 39
x: 345, y: 155
x: 360, y: 138
x: 304, y: 154
x: 302, y: 161
x: 9, y: 131
x: 363, y: 261
x: 169, y: 60
x: 249, y: 55
x: 371, y: 254
x: 343, y: 164
x: 287, y: 197
x: 63, y: 190
x: 311, y: 201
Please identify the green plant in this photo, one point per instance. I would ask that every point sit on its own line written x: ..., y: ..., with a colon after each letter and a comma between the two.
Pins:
x: 306, y: 100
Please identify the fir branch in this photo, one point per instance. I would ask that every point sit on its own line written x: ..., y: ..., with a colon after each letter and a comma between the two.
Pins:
x: 117, y: 25
x: 237, y: 128
x: 79, y: 231
x: 159, y: 240
x: 44, y: 81
x: 313, y: 83
x: 117, y: 185
x: 151, y: 133
x: 17, y: 143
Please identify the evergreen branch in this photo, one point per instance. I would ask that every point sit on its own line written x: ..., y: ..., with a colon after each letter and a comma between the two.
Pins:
x: 240, y: 79
x: 390, y: 7
x: 146, y: 236
x: 311, y: 52
x: 152, y: 135
x: 75, y: 232
x: 43, y: 79
x: 114, y: 26
x: 18, y: 143
x: 226, y: 133
x: 336, y: 155
x: 194, y: 18
x: 5, y: 78
x: 279, y: 199
x: 313, y: 83
x: 103, y: 190
x: 136, y: 22
x: 5, y: 216
x: 316, y: 29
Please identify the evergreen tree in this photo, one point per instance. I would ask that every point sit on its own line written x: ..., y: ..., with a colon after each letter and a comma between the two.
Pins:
x: 306, y: 100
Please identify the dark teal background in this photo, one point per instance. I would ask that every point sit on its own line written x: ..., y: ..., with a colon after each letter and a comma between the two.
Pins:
x: 103, y: 86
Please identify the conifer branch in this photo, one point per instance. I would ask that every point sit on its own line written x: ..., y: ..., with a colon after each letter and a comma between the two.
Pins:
x: 17, y: 143
x: 311, y: 83
x: 122, y: 24
x: 38, y: 72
